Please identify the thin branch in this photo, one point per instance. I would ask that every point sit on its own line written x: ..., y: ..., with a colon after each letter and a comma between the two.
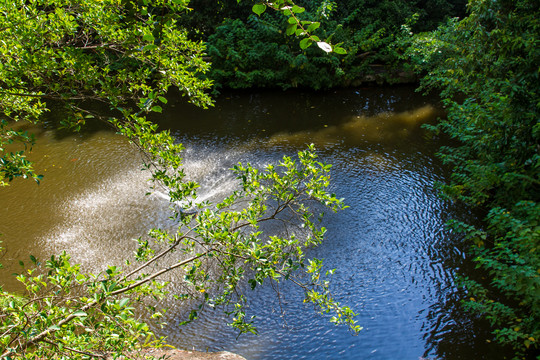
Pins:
x: 157, y: 257
x: 275, y: 287
x: 159, y: 273
x: 278, y: 210
x: 76, y: 351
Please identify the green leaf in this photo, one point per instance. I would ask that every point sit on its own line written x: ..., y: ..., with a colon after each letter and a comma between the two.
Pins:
x: 305, y: 43
x: 150, y: 47
x: 313, y: 26
x: 259, y: 9
x: 340, y: 50
x: 291, y: 20
x: 123, y: 302
x: 252, y: 283
x: 156, y: 108
x: 297, y: 9
x: 162, y: 99
x: 291, y: 29
x: 148, y: 37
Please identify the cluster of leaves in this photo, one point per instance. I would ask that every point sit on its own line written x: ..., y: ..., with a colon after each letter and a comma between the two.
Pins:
x: 127, y: 54
x: 13, y: 163
x: 116, y: 52
x: 487, y: 68
x: 66, y: 313
x: 255, y: 51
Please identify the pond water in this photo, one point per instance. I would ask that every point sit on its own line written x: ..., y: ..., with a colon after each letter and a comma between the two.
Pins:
x: 395, y: 261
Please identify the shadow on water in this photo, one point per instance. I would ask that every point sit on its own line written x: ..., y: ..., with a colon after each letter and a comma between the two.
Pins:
x: 51, y: 122
x: 395, y: 261
x: 248, y: 115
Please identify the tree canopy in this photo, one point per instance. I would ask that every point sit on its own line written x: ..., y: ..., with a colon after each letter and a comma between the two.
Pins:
x: 124, y: 54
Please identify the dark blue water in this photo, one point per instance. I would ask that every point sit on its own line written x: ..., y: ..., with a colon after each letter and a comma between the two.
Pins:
x: 395, y: 261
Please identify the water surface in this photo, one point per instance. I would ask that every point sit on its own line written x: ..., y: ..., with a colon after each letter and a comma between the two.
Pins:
x: 395, y: 261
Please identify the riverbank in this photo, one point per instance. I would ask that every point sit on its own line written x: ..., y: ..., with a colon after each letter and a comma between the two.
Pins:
x: 176, y: 354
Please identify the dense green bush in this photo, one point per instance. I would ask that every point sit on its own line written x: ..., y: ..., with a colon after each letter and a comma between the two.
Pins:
x: 487, y: 68
x: 258, y: 54
x: 250, y: 51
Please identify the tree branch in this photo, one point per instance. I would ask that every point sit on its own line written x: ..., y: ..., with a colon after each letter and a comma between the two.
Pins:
x: 41, y: 336
x: 76, y: 351
x: 160, y: 255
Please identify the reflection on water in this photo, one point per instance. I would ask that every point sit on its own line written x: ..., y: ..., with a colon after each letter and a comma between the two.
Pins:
x: 383, y: 127
x: 395, y: 261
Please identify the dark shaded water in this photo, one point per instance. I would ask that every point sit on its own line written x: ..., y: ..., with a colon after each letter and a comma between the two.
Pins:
x: 395, y: 261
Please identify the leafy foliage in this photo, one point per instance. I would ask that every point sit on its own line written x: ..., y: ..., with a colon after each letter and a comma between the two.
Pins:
x: 250, y: 55
x: 14, y: 163
x: 487, y: 68
x: 127, y: 54
x: 249, y: 51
